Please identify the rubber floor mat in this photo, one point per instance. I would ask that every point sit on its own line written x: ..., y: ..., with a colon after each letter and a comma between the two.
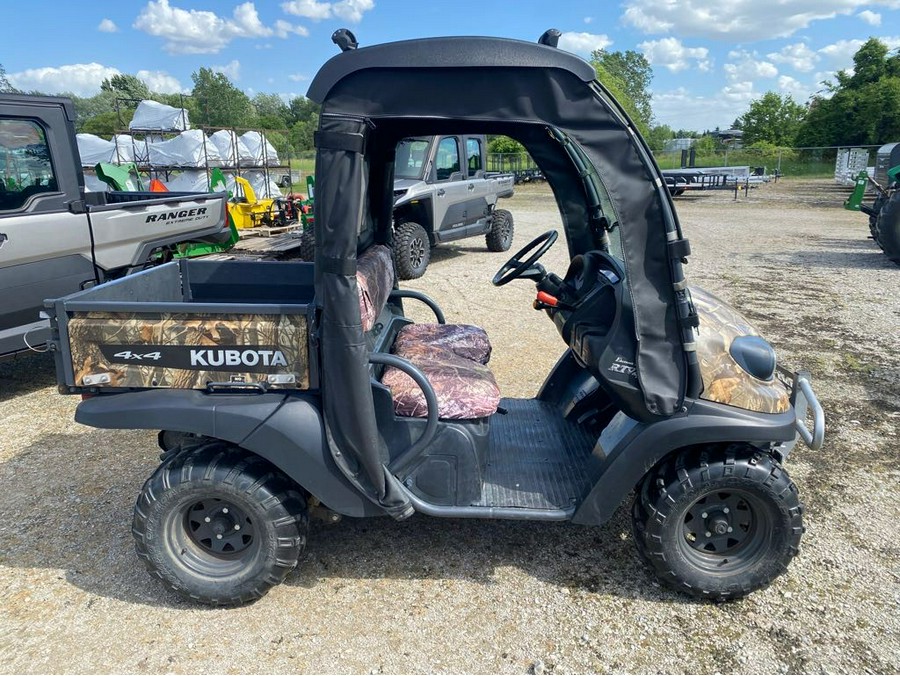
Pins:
x: 536, y: 458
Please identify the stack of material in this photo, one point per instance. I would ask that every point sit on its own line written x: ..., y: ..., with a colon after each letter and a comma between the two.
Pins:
x: 262, y: 152
x: 94, y: 149
x: 188, y: 149
x: 158, y: 116
x: 232, y: 148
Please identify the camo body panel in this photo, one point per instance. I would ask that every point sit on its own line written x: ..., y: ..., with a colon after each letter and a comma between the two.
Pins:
x: 724, y: 381
x: 89, y: 330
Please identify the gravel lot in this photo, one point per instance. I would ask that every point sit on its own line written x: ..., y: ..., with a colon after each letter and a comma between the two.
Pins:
x: 467, y: 596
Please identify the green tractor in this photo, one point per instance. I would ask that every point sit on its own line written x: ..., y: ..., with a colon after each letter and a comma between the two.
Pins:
x: 884, y: 213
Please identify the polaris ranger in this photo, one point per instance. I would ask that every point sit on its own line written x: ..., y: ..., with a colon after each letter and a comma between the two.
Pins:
x: 56, y: 238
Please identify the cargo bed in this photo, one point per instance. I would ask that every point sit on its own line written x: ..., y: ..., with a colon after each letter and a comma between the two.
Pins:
x: 189, y: 324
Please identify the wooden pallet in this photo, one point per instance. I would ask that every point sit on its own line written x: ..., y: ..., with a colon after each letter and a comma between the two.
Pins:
x: 269, y: 231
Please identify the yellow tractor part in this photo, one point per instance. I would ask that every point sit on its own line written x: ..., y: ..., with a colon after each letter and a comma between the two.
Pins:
x: 249, y: 212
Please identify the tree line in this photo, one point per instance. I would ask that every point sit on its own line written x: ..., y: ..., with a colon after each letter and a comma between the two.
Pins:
x: 860, y: 107
x: 214, y: 101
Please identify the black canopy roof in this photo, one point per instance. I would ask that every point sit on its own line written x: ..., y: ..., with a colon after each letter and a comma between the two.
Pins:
x: 549, y: 100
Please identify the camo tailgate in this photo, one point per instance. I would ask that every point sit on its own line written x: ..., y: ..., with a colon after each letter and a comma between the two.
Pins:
x: 188, y: 350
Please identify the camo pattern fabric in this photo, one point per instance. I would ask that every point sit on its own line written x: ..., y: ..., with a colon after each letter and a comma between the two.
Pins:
x: 464, y: 340
x: 92, y: 333
x: 374, y: 282
x: 724, y: 381
x: 465, y: 389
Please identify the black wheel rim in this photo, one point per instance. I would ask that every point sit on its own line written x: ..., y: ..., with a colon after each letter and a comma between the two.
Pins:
x: 417, y: 252
x: 725, y: 531
x: 212, y: 536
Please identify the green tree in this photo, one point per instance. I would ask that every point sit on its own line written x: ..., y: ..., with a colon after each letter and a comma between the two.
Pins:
x: 860, y: 109
x: 126, y: 86
x: 302, y: 108
x: 271, y: 111
x: 505, y: 145
x: 217, y: 102
x: 773, y: 118
x: 658, y: 135
x: 628, y: 76
x: 5, y: 86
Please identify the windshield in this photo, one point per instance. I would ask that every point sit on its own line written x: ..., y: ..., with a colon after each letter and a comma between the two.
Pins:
x: 410, y: 158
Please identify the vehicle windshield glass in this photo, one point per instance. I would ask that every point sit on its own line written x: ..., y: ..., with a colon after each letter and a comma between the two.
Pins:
x: 410, y: 158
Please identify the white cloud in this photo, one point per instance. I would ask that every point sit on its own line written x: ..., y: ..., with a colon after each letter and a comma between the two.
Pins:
x: 588, y: 19
x: 840, y: 54
x: 672, y: 54
x: 583, y: 43
x: 107, y: 26
x: 284, y: 28
x: 737, y: 20
x: 749, y: 65
x: 81, y: 79
x: 870, y: 17
x: 682, y: 110
x: 739, y: 92
x: 798, y: 56
x: 350, y: 10
x: 793, y: 87
x: 298, y: 77
x: 191, y: 31
x: 160, y: 81
x: 231, y: 70
x: 308, y: 9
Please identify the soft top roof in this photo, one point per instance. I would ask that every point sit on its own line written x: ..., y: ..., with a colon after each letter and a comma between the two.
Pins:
x: 452, y: 52
x: 577, y: 133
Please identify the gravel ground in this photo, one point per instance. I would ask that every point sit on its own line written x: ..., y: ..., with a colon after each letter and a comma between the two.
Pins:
x: 466, y: 596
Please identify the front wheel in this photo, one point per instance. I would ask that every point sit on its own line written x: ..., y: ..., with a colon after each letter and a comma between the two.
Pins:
x: 412, y: 250
x: 219, y: 525
x: 718, y: 522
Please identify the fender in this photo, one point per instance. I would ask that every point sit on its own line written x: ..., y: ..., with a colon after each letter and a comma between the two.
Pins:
x: 628, y: 449
x: 286, y: 430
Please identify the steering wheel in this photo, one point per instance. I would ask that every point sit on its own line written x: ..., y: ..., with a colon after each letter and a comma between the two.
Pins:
x: 515, y: 267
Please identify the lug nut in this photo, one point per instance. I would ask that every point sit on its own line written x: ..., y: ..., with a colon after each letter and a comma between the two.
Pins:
x: 207, y: 519
x: 730, y: 529
x: 704, y: 515
x: 725, y: 510
x: 237, y: 527
x: 224, y: 510
x: 708, y: 534
x: 218, y: 536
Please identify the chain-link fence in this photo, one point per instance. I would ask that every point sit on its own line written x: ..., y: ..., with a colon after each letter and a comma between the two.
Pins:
x: 806, y: 162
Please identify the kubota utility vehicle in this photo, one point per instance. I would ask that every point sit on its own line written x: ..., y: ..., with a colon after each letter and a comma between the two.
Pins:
x: 286, y: 388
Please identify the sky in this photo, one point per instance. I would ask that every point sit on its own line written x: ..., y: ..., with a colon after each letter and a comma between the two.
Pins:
x: 710, y: 58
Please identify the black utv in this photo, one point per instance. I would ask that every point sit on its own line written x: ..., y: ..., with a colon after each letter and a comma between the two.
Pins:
x: 282, y: 389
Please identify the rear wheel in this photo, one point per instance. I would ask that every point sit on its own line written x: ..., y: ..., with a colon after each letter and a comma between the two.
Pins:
x: 500, y: 236
x: 308, y: 245
x: 412, y: 250
x: 718, y: 522
x: 887, y: 227
x: 219, y: 525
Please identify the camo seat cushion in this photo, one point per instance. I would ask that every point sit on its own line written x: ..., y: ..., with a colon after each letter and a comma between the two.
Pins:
x: 464, y: 340
x: 465, y: 388
x: 374, y: 282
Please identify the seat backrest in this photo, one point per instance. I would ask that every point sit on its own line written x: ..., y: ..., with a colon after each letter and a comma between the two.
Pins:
x: 375, y: 281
